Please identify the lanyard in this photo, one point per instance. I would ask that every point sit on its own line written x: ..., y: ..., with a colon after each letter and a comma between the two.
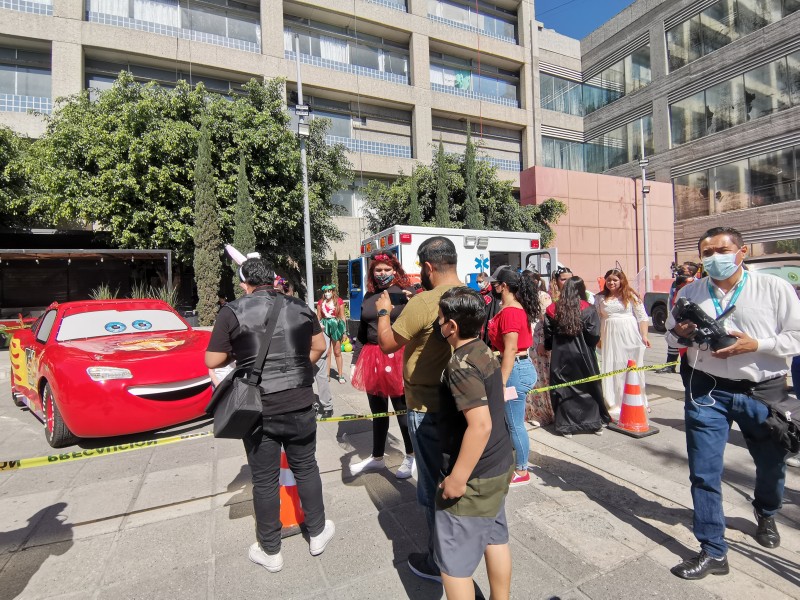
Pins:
x: 734, y: 298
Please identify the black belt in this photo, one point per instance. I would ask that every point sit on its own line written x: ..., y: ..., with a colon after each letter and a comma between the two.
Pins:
x: 738, y: 386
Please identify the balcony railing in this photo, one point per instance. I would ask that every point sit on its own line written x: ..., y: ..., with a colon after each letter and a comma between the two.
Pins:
x: 395, y: 4
x: 471, y: 28
x: 347, y: 68
x: 438, y: 87
x: 179, y: 32
x: 502, y: 163
x: 367, y: 147
x: 17, y: 103
x: 45, y: 7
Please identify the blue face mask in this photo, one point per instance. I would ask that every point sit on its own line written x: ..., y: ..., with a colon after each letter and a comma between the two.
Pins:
x: 384, y: 280
x: 720, y: 266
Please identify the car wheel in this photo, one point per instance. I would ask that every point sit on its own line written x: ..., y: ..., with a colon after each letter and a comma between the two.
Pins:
x: 55, y: 430
x: 659, y: 315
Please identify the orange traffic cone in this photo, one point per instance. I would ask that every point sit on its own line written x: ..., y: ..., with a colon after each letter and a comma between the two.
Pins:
x: 633, y: 416
x: 291, y: 512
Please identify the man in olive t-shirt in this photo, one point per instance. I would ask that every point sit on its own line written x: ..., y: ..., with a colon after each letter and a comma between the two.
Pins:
x: 425, y: 357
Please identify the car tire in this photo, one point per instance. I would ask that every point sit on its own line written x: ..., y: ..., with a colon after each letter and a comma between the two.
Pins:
x: 56, y: 431
x: 659, y: 316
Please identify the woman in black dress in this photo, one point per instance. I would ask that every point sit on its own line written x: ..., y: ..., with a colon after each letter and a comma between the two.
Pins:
x: 572, y: 330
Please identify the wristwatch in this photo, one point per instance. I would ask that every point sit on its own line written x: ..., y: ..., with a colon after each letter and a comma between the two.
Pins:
x: 383, y: 313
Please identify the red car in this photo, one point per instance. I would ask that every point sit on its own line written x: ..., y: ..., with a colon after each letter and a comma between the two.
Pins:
x: 98, y: 368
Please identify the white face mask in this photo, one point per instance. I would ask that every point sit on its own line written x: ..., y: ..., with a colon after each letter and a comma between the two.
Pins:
x: 328, y: 295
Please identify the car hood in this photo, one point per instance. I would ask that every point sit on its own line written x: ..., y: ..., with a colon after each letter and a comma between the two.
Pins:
x: 137, y: 347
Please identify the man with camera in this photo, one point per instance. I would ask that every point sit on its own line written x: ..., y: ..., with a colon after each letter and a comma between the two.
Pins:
x: 736, y: 367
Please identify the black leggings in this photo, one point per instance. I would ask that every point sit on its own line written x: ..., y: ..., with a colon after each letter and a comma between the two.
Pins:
x: 380, y: 426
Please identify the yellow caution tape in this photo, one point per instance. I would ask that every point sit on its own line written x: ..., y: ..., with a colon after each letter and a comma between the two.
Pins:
x: 40, y: 461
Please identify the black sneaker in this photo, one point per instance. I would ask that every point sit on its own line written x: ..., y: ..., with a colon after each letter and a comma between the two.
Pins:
x: 422, y: 565
x: 665, y: 370
x: 326, y: 413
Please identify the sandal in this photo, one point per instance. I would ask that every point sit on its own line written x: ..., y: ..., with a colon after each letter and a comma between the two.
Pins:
x: 342, y: 379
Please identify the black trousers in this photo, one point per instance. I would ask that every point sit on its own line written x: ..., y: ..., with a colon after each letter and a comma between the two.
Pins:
x: 297, y: 433
x: 380, y: 426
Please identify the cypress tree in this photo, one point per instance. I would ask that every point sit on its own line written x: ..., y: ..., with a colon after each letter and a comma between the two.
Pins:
x: 207, y: 243
x: 473, y: 219
x: 442, y: 206
x: 335, y: 272
x: 244, y: 236
x: 414, y: 212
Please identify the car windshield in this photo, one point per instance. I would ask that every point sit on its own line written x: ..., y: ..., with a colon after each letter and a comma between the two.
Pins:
x: 117, y: 322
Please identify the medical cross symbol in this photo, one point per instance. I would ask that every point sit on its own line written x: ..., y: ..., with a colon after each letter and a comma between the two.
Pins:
x: 482, y: 264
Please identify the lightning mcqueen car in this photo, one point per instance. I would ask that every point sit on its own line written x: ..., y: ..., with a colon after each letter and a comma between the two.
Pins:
x: 98, y: 368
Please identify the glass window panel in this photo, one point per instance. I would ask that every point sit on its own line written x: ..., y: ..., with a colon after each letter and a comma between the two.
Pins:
x: 793, y: 67
x: 616, y: 143
x: 684, y: 43
x: 8, y: 79
x: 773, y: 178
x: 635, y: 138
x: 595, y: 156
x: 163, y: 13
x: 637, y: 70
x: 340, y: 124
x: 205, y: 20
x: 725, y: 106
x: 593, y: 98
x: 33, y: 82
x: 548, y: 149
x: 118, y: 8
x: 790, y: 6
x: 688, y: 119
x: 752, y: 15
x: 365, y: 56
x: 612, y: 80
x: 766, y: 89
x: 717, y: 24
x: 731, y: 185
x: 395, y: 63
x: 691, y: 195
x: 244, y: 29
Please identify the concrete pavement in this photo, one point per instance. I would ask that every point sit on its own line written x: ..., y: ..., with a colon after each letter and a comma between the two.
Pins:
x: 605, y: 517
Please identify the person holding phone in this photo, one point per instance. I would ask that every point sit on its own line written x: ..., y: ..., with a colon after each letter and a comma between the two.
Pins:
x: 381, y: 375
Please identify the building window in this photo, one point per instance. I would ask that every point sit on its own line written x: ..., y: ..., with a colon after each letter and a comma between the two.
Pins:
x: 720, y: 24
x: 793, y: 68
x: 562, y: 154
x: 561, y: 95
x: 339, y: 49
x: 773, y: 177
x: 222, y: 22
x: 725, y: 106
x: 478, y: 16
x: 454, y: 75
x: 37, y: 7
x: 24, y: 81
x: 767, y: 89
x: 688, y: 119
x: 691, y: 195
x: 637, y: 70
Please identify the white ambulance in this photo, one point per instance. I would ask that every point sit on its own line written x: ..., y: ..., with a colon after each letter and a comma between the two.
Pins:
x: 478, y: 251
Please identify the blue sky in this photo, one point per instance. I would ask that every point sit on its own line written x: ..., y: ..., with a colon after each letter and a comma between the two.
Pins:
x: 577, y: 18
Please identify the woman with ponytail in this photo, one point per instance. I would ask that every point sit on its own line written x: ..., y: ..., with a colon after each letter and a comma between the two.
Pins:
x: 511, y: 336
x: 571, y: 333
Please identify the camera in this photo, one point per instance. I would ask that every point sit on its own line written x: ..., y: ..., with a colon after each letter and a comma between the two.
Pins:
x: 709, y: 331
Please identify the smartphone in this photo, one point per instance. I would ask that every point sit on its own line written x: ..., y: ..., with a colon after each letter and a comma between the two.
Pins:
x: 398, y: 299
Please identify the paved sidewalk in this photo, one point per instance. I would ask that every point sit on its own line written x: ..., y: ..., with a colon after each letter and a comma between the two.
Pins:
x: 605, y: 517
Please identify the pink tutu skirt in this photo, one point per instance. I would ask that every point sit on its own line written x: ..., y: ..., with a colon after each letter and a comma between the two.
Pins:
x: 378, y: 373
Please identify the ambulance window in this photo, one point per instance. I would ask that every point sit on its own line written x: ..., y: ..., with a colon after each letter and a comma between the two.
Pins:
x: 355, y: 274
x: 498, y: 259
x: 46, y: 327
x: 540, y: 262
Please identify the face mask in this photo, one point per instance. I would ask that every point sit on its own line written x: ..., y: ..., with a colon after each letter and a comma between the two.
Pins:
x: 384, y: 280
x: 328, y: 295
x: 483, y: 285
x: 437, y: 331
x: 720, y: 266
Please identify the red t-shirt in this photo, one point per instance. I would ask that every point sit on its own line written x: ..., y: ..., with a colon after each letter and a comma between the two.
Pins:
x: 510, y: 320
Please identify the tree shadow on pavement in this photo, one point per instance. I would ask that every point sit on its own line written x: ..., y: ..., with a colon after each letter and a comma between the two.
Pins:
x: 400, y: 518
x: 780, y: 566
x: 23, y: 564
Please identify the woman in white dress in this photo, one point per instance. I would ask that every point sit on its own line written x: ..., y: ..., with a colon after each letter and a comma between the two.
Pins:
x: 623, y: 335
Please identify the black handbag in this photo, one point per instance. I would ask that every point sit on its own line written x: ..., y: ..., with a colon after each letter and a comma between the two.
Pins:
x: 236, y: 403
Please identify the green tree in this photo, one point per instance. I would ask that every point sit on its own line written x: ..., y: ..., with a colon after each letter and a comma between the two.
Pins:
x: 442, y: 204
x: 244, y: 236
x: 124, y: 162
x: 473, y: 219
x: 13, y: 181
x: 335, y: 272
x: 388, y: 204
x: 414, y: 213
x: 207, y: 242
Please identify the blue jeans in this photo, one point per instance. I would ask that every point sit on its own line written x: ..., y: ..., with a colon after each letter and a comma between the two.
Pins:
x: 796, y: 375
x: 708, y: 422
x: 423, y: 427
x: 523, y: 378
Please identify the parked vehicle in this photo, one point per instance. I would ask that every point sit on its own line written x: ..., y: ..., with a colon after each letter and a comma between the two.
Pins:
x: 98, y: 368
x: 478, y: 250
x: 656, y: 305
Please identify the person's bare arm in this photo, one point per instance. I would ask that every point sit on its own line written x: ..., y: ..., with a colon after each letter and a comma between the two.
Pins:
x: 317, y: 347
x: 510, y: 341
x: 388, y: 340
x: 216, y: 359
x: 479, y: 428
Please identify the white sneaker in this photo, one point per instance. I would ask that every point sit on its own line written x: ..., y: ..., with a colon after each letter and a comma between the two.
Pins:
x: 271, y: 562
x: 368, y: 465
x: 406, y: 469
x: 317, y: 543
x: 793, y: 461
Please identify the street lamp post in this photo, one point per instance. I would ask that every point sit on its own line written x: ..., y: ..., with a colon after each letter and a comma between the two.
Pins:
x: 643, y: 162
x: 303, y: 131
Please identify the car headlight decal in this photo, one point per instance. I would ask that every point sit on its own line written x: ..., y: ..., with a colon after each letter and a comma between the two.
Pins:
x: 108, y: 373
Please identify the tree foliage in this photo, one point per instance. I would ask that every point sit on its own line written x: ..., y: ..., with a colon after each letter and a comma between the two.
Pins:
x: 244, y: 235
x: 335, y: 272
x: 207, y: 242
x: 13, y: 183
x: 414, y: 214
x: 124, y: 162
x: 472, y: 210
x: 388, y: 204
x: 442, y: 204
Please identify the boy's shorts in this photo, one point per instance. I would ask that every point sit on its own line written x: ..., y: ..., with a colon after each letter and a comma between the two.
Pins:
x: 460, y: 541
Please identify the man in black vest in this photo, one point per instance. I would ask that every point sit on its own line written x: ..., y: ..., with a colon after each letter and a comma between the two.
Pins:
x: 289, y: 418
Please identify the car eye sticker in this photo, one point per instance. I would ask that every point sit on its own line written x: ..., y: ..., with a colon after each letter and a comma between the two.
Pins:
x: 115, y: 327
x: 142, y: 325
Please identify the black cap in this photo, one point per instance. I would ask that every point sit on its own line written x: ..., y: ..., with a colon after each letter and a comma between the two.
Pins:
x: 504, y: 274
